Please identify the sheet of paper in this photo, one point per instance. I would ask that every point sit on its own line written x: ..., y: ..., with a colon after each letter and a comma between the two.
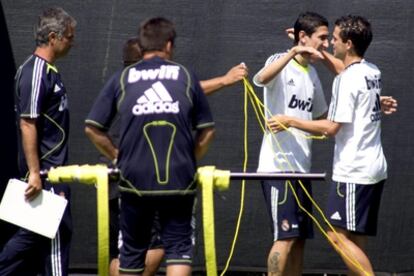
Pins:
x: 42, y: 215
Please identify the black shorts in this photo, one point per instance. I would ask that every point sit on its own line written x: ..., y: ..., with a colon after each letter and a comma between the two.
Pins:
x: 156, y: 242
x: 288, y: 220
x: 355, y: 207
x: 136, y: 222
x: 115, y: 240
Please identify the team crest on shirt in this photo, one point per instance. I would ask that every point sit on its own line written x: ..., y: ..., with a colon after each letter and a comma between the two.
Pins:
x: 63, y: 103
x: 285, y: 225
x: 156, y: 100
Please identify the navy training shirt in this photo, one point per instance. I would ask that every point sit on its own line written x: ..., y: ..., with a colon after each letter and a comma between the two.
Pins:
x: 160, y: 104
x: 41, y: 95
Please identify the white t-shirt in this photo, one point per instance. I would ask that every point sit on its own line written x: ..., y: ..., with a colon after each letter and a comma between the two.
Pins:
x: 295, y: 91
x: 358, y: 155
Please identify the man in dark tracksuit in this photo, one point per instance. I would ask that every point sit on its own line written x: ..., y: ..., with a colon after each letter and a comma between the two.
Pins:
x: 160, y: 104
x: 43, y: 120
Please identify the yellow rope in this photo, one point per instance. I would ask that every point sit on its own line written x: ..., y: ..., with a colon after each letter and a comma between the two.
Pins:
x: 243, y: 190
x: 257, y: 104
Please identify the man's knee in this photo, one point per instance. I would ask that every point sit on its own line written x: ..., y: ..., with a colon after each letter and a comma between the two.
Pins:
x: 338, y: 236
x: 287, y: 244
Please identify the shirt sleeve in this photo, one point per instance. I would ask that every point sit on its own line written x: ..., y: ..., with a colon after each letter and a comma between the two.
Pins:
x: 344, y: 94
x: 104, y: 109
x: 202, y: 117
x: 32, y: 90
x: 268, y: 61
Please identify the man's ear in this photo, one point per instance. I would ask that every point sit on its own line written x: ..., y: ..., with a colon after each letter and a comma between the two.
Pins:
x: 168, y: 49
x: 52, y: 36
x: 169, y: 46
x: 302, y: 37
x: 349, y: 44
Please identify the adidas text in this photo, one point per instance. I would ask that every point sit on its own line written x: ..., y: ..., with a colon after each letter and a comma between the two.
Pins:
x: 156, y: 99
x: 155, y: 107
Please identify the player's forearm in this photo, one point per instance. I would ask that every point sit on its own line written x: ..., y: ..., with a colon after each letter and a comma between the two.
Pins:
x: 212, y: 85
x: 235, y: 74
x: 274, y: 68
x: 319, y: 127
x: 30, y: 146
x: 203, y: 139
x: 102, y: 142
x: 334, y: 64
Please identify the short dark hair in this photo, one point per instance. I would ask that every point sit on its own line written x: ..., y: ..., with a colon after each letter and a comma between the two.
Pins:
x: 131, y: 52
x: 155, y: 33
x: 358, y: 30
x: 308, y: 22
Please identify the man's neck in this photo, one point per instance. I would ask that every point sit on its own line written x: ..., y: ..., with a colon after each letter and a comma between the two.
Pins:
x: 350, y: 59
x: 152, y: 54
x: 302, y: 60
x: 46, y: 53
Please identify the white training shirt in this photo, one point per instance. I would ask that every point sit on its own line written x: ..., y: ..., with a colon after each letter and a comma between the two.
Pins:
x: 358, y: 155
x: 295, y: 91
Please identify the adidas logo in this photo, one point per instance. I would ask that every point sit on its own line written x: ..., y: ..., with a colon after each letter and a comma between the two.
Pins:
x: 155, y: 100
x: 376, y: 110
x: 336, y: 216
x: 57, y: 88
x: 377, y: 106
x: 291, y: 82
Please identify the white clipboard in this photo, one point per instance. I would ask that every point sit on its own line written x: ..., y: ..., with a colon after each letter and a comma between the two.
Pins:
x: 42, y: 215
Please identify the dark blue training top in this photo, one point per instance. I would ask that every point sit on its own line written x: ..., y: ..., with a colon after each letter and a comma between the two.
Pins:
x: 159, y: 103
x: 41, y: 95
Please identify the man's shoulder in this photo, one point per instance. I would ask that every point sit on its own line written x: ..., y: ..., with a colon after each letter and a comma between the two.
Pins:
x: 185, y: 68
x: 371, y: 67
x: 357, y: 73
x: 33, y: 68
x: 28, y: 64
x: 369, y: 64
x: 362, y: 66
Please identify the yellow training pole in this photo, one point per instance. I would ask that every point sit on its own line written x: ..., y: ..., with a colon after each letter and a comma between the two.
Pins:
x: 97, y: 174
x: 209, y: 178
